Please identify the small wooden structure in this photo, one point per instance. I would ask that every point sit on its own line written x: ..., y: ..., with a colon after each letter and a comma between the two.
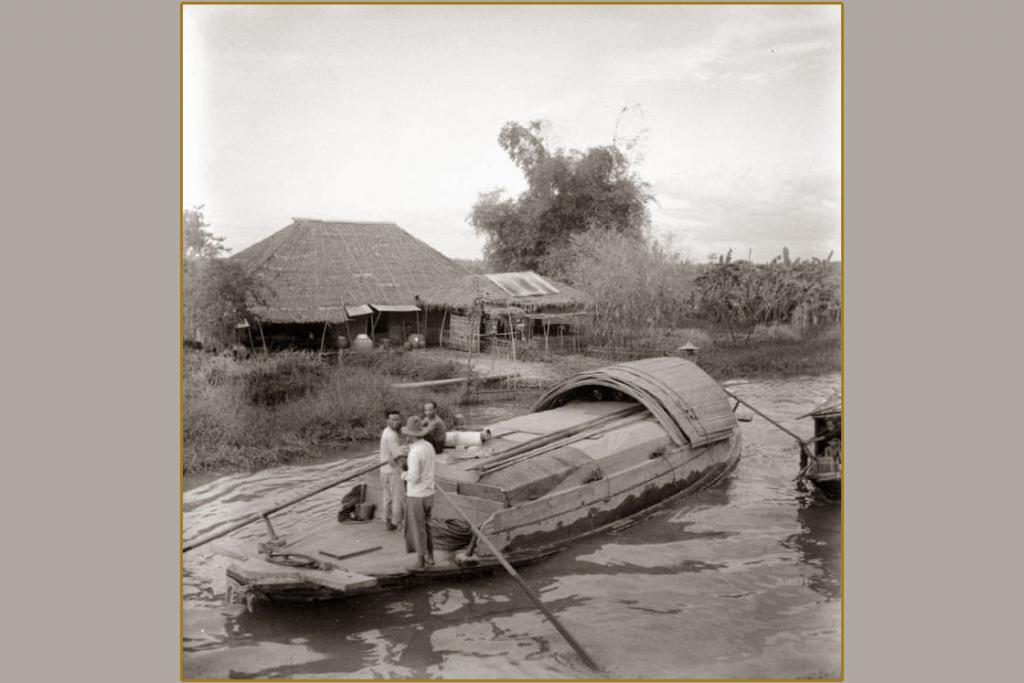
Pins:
x: 463, y: 332
x: 596, y: 449
x: 507, y: 311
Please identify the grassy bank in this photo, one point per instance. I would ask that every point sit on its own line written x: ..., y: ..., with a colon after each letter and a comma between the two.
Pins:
x: 766, y: 351
x: 270, y: 411
x: 814, y: 355
x: 262, y: 412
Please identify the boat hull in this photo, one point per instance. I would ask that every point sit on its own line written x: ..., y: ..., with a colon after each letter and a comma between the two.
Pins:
x: 526, y: 533
x: 591, y: 508
x: 831, y: 485
x: 596, y: 451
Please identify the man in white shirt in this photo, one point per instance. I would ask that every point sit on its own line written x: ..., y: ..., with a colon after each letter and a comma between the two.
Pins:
x: 393, y: 490
x: 419, y: 493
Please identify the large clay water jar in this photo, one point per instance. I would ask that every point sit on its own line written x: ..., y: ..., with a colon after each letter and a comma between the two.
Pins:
x: 362, y: 342
x: 342, y: 341
x: 418, y: 340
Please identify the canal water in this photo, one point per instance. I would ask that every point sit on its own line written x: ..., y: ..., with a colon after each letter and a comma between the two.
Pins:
x: 739, y: 581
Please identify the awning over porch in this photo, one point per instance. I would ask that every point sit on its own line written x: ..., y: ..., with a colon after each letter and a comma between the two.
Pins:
x: 382, y: 308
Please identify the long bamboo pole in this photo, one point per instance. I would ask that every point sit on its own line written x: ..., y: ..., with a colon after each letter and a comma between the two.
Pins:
x: 587, y: 659
x: 802, y: 442
x: 554, y: 436
x: 266, y: 513
x: 548, y: 448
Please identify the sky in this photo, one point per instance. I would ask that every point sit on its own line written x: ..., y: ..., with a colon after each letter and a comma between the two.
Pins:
x: 393, y: 114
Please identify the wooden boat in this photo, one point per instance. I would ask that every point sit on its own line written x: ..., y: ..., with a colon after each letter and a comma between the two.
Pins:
x: 823, y: 469
x: 599, y: 448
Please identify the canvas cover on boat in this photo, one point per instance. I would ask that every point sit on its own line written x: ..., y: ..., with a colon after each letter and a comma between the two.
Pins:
x: 684, y: 399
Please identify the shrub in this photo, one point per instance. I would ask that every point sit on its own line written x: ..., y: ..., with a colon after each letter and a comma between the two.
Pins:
x: 638, y: 287
x: 282, y: 377
x: 742, y: 294
x: 256, y: 413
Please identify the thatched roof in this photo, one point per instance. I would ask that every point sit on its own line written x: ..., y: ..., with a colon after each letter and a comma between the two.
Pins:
x: 312, y: 269
x: 463, y: 292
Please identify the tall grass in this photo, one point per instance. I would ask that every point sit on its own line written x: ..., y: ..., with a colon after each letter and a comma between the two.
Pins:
x: 269, y: 411
x: 771, y: 351
x: 777, y: 352
x: 412, y: 365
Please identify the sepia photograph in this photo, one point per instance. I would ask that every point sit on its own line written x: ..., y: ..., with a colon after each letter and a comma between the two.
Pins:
x: 511, y: 341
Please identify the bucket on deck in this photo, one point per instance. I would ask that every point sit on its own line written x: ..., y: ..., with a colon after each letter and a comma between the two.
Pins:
x: 364, y: 511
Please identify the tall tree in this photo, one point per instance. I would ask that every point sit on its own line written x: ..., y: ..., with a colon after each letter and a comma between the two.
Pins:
x: 217, y: 292
x: 199, y: 242
x: 568, y: 193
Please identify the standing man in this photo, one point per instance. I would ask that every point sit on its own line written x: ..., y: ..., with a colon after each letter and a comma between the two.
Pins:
x: 438, y: 429
x: 419, y: 493
x: 392, y: 487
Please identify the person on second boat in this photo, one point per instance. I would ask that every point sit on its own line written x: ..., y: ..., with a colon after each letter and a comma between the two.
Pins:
x: 419, y: 493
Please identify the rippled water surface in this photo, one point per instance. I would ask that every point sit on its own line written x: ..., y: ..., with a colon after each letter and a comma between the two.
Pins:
x: 738, y: 581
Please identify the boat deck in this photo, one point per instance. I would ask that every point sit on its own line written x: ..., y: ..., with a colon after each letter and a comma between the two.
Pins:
x: 343, y: 538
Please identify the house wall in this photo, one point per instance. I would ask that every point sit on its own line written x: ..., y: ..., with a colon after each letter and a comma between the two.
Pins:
x: 395, y: 326
x: 434, y: 318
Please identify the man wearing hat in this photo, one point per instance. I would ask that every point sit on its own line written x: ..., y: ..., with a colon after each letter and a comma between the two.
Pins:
x: 419, y: 493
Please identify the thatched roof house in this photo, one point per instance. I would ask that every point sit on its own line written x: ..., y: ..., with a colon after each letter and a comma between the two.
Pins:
x: 321, y: 273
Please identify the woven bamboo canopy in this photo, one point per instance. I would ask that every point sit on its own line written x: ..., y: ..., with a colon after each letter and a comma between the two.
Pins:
x: 685, y: 400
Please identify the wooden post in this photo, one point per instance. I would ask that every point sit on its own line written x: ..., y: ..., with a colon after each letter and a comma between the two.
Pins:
x: 262, y: 338
x: 511, y: 327
x: 323, y: 338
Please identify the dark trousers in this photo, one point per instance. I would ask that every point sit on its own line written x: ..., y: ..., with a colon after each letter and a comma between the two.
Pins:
x: 417, y: 526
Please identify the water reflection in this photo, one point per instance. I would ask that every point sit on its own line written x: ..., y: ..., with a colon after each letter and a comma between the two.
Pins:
x: 818, y: 543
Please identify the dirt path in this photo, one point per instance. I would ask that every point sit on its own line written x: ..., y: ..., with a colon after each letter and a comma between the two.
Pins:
x: 539, y: 373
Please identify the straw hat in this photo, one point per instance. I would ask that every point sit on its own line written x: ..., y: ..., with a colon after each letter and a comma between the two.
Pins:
x: 415, y: 427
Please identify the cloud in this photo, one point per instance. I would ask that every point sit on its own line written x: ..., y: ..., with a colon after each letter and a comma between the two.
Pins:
x: 754, y: 214
x: 754, y: 48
